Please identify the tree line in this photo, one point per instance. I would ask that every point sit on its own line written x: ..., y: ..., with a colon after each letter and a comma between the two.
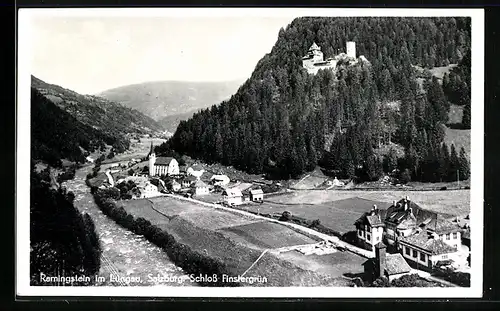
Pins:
x: 56, y: 134
x: 63, y: 241
x: 283, y: 121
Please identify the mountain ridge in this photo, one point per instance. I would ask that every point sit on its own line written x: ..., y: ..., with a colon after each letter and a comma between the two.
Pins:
x: 165, y: 99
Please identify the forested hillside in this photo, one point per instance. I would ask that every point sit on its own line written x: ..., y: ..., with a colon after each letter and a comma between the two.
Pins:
x: 281, y: 118
x: 457, y: 88
x: 110, y: 117
x: 56, y: 134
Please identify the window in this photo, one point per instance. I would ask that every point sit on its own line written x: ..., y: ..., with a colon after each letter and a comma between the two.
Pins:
x: 422, y: 256
x: 368, y: 228
x: 368, y: 236
x: 360, y: 232
x: 447, y: 236
x: 444, y: 257
x: 455, y: 235
x: 407, y: 250
x: 414, y: 253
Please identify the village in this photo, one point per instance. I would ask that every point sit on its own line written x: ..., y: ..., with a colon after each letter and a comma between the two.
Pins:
x: 395, y: 239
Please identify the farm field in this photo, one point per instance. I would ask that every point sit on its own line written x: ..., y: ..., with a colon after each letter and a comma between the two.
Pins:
x: 334, y: 265
x: 453, y: 202
x: 267, y: 235
x: 238, y: 241
x: 339, y: 216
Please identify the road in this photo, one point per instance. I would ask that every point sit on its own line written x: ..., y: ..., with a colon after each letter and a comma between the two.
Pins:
x: 124, y: 254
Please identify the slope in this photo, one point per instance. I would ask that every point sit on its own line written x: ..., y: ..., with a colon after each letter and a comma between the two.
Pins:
x: 56, y: 134
x: 99, y: 113
x: 167, y: 98
x: 277, y: 121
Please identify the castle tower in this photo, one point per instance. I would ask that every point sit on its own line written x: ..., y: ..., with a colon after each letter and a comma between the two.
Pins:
x: 152, y: 161
x: 351, y: 49
x: 315, y: 50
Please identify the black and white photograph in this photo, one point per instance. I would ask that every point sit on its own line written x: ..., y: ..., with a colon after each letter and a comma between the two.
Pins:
x: 278, y: 152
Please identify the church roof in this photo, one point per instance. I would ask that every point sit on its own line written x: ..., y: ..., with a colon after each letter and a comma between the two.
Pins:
x: 163, y: 160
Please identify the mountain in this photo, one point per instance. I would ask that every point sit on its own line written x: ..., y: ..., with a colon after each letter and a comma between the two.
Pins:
x: 171, y: 122
x: 164, y: 99
x: 68, y: 125
x: 279, y: 120
x: 56, y: 134
x: 97, y: 112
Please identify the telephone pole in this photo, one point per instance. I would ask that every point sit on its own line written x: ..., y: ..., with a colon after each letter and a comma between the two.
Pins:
x: 458, y: 178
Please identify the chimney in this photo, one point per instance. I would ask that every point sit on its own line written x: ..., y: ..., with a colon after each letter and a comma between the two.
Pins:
x: 380, y: 259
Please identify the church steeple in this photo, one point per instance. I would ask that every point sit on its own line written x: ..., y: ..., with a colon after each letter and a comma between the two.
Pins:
x: 151, y: 150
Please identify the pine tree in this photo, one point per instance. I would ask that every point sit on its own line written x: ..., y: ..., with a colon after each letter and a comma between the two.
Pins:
x: 466, y: 114
x: 444, y: 162
x: 454, y: 164
x: 464, y: 165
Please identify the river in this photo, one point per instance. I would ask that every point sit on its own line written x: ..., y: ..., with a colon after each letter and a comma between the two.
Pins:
x: 127, y: 259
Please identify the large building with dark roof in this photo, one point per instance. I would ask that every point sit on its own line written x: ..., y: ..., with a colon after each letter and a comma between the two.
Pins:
x: 162, y: 166
x: 423, y: 237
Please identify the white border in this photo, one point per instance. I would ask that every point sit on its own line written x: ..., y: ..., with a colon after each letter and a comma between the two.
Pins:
x: 23, y: 159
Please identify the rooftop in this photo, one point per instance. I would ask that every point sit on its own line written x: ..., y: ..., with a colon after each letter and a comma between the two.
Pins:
x: 396, y: 264
x: 425, y: 241
x: 442, y: 226
x: 163, y: 160
x: 232, y: 192
x: 256, y: 191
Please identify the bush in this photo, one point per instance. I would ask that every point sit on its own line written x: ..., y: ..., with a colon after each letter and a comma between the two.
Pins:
x: 130, y: 172
x: 286, y: 216
x: 315, y: 223
x: 405, y: 176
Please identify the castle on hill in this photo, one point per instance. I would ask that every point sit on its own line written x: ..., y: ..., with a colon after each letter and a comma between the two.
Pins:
x: 314, y: 60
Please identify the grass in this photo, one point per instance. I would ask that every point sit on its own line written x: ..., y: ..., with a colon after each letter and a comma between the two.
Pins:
x: 289, y: 272
x: 455, y: 114
x: 460, y: 138
x: 339, y: 216
x: 454, y: 202
x: 267, y: 235
x: 334, y: 265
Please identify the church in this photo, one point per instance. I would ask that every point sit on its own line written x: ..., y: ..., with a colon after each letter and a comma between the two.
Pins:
x: 162, y: 166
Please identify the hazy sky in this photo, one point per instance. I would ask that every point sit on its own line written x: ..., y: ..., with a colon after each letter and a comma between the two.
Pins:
x: 92, y: 54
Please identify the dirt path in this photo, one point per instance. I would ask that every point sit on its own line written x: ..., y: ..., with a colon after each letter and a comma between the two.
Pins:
x: 125, y: 255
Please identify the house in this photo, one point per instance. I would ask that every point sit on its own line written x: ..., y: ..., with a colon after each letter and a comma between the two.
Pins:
x: 256, y: 195
x: 391, y: 266
x: 219, y: 180
x: 89, y: 159
x: 200, y: 188
x: 402, y: 218
x: 370, y: 228
x: 188, y: 181
x: 232, y: 196
x: 167, y: 166
x: 424, y: 250
x: 193, y: 172
x: 445, y: 230
x: 149, y: 190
